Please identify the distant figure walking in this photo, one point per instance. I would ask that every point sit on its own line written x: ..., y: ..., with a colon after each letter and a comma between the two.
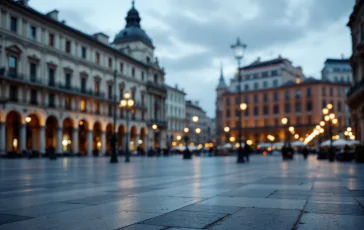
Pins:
x: 305, y: 153
x: 246, y: 151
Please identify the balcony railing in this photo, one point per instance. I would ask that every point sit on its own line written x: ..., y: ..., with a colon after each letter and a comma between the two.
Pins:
x: 156, y: 86
x: 54, y: 85
x: 356, y: 88
x: 158, y: 123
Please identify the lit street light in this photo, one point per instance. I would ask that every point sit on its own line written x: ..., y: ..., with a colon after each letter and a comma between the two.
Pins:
x: 128, y: 104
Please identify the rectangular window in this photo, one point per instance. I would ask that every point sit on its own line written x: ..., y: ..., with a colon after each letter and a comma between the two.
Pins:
x: 13, y: 64
x: 13, y: 93
x: 256, y: 111
x: 237, y: 112
x: 308, y: 93
x: 339, y: 92
x: 265, y: 97
x: 246, y: 99
x: 275, y: 96
x: 255, y: 98
x: 298, y: 120
x: 309, y: 106
x: 13, y: 24
x: 68, y: 103
x: 246, y: 112
x: 228, y: 101
x: 109, y: 91
x: 256, y: 86
x: 97, y: 108
x: 324, y: 91
x: 324, y: 104
x: 97, y: 58
x: 298, y: 94
x: 276, y: 109
x: 331, y: 92
x: 265, y: 110
x: 51, y: 40
x: 133, y: 72
x: 97, y: 87
x: 83, y: 52
x: 286, y: 95
x: 68, y: 81
x: 51, y: 81
x: 110, y: 62
x: 51, y: 100
x: 274, y: 73
x: 68, y: 46
x: 33, y: 72
x: 142, y: 75
x: 339, y: 106
x: 227, y: 113
x: 237, y: 100
x: 265, y: 74
x: 309, y: 119
x: 287, y: 108
x: 33, y: 33
x: 83, y: 85
x: 121, y: 67
x: 83, y: 105
x: 33, y: 97
x: 298, y: 107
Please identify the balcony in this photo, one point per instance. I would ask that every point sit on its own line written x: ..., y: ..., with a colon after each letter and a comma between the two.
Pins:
x: 156, y: 86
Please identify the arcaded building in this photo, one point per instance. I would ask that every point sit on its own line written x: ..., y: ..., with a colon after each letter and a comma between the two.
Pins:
x: 57, y: 84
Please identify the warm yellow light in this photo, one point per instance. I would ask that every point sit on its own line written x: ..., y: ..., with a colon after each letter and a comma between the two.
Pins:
x: 296, y: 136
x: 127, y: 95
x: 349, y: 129
x: 65, y: 142
x: 174, y: 143
x: 237, y: 145
x: 130, y: 103
x: 15, y: 143
x: 154, y: 126
x: 195, y: 119
x: 301, y: 139
x: 243, y: 106
x: 186, y: 130
x: 332, y: 116
x: 322, y: 130
x: 318, y: 127
x: 327, y: 118
x: 226, y: 129
x: 346, y: 133
x: 329, y: 106
x: 284, y: 120
x: 352, y: 137
x: 200, y: 146
x: 325, y: 111
x: 99, y: 144
x: 322, y: 123
x: 232, y: 139
x: 198, y: 130
x: 81, y: 122
x: 334, y: 121
x: 249, y: 142
x: 179, y: 138
x: 291, y: 129
x: 123, y: 103
x: 28, y: 119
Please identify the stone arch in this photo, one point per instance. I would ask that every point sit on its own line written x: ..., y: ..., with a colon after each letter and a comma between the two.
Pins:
x: 13, y: 124
x: 83, y: 129
x: 121, y: 139
x: 68, y: 125
x: 51, y: 127
x: 97, y: 137
x: 109, y: 131
x: 143, y: 137
x: 133, y: 138
x: 33, y: 124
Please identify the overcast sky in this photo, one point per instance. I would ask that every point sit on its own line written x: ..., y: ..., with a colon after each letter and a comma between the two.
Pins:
x: 192, y: 37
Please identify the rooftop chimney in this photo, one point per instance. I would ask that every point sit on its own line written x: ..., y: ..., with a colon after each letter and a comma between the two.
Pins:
x: 101, y: 37
x: 53, y: 14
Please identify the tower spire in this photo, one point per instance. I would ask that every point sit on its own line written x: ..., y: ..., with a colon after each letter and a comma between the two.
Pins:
x: 222, y: 83
x: 133, y: 3
x: 221, y: 72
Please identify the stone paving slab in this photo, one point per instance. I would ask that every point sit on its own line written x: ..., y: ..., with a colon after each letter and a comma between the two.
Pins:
x: 259, y: 219
x: 243, y: 192
x: 6, y: 218
x: 186, y: 219
x: 143, y: 227
x: 312, y: 221
x: 337, y: 209
x: 332, y: 200
x: 211, y: 208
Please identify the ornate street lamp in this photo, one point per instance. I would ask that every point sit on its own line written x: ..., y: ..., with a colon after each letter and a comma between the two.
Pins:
x: 330, y: 120
x: 285, y: 124
x: 113, y: 141
x: 239, y: 49
x: 127, y: 103
x: 186, y: 153
x: 227, y: 130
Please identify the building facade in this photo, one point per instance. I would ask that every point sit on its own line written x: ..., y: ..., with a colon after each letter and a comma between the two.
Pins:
x: 266, y: 74
x: 203, y: 123
x: 57, y: 84
x: 301, y: 103
x: 337, y: 70
x: 356, y: 93
x: 176, y: 114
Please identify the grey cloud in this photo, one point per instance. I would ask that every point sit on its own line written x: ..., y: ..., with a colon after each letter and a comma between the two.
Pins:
x: 76, y: 19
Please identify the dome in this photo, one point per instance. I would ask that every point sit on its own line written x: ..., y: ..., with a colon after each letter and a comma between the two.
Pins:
x: 132, y: 30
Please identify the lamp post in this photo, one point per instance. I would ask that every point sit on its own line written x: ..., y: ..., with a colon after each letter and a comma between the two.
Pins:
x: 285, y: 122
x: 198, y: 131
x: 195, y: 120
x: 239, y: 49
x: 330, y: 120
x: 113, y: 141
x: 227, y: 130
x: 128, y: 104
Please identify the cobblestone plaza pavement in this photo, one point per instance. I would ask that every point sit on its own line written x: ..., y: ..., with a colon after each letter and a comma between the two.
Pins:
x: 171, y: 193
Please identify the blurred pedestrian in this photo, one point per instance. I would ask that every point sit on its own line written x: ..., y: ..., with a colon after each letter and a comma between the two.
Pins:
x: 305, y: 153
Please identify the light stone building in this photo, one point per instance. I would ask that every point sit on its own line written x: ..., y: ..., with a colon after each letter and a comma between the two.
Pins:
x: 337, y: 70
x: 176, y: 114
x: 57, y: 84
x: 356, y: 92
